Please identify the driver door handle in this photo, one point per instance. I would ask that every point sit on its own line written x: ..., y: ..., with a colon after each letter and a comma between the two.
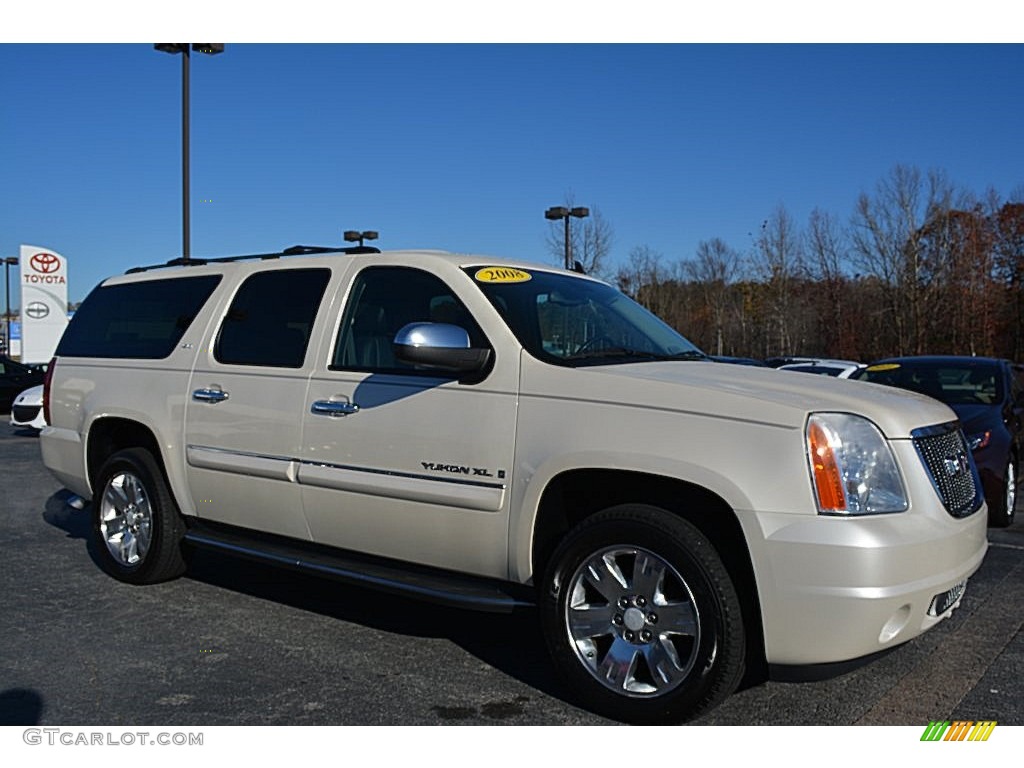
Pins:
x: 334, y: 408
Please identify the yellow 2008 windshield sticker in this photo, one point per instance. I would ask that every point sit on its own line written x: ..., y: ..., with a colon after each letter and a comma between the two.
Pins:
x: 501, y: 275
x: 883, y: 367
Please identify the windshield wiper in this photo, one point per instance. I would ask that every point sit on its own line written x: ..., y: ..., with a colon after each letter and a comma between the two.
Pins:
x: 636, y: 354
x: 690, y: 354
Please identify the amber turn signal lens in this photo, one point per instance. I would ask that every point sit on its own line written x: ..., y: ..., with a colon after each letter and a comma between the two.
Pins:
x: 827, y: 479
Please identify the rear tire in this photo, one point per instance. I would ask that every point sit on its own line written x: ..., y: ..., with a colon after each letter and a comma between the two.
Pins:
x: 137, y: 527
x: 641, y: 616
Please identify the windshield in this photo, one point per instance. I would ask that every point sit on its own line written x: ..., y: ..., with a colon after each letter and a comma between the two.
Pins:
x: 971, y: 382
x: 569, y: 320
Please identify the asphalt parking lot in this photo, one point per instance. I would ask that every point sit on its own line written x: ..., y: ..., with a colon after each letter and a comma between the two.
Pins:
x: 233, y: 643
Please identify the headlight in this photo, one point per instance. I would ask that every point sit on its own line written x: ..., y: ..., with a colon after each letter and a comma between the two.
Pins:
x: 852, y: 467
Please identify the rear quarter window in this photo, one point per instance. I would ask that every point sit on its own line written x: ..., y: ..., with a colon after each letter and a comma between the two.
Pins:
x: 143, y: 320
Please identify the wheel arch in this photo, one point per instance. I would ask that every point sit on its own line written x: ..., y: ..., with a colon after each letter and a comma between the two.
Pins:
x: 109, y: 434
x: 576, y: 494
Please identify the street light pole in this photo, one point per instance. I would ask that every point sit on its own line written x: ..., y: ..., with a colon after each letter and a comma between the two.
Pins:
x: 561, y: 212
x: 184, y: 49
x: 9, y: 261
x: 186, y: 177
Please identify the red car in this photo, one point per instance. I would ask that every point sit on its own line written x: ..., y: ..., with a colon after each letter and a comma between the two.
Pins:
x: 987, y: 394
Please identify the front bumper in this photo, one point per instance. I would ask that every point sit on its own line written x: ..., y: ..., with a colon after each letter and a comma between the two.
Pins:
x: 833, y: 589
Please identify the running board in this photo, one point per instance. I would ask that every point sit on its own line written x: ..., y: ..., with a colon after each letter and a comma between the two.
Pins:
x: 415, y: 581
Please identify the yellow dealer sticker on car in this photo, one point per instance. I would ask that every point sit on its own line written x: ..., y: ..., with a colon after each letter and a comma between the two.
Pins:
x: 502, y: 275
x: 883, y: 367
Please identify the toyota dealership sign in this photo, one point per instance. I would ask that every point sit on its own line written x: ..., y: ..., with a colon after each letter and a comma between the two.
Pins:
x: 44, y: 302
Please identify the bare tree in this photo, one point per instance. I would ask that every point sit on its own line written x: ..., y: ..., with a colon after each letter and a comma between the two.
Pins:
x: 779, y: 263
x: 886, y: 238
x: 590, y: 238
x: 825, y: 253
x: 714, y: 269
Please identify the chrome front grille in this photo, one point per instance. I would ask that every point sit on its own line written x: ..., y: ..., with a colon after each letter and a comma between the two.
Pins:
x: 945, y: 454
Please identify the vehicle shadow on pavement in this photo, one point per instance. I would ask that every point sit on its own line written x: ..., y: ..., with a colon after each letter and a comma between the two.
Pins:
x: 62, y: 515
x: 510, y: 643
x: 20, y: 706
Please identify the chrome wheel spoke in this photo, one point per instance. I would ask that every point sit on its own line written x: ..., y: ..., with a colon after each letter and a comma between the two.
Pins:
x: 618, y: 667
x: 115, y: 497
x: 604, y: 575
x: 591, y: 621
x: 663, y: 662
x: 648, y: 575
x: 135, y: 492
x: 128, y: 548
x: 114, y: 526
x: 677, y: 618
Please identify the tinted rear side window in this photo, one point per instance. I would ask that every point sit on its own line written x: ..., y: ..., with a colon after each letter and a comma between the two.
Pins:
x: 136, y: 320
x: 270, y: 320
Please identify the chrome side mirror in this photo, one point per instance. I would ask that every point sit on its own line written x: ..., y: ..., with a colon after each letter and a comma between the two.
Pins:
x: 439, y: 346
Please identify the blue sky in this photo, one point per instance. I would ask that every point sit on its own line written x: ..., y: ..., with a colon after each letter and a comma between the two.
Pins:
x: 462, y: 147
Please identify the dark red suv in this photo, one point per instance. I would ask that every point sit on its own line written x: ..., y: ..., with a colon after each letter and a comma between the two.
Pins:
x: 987, y: 394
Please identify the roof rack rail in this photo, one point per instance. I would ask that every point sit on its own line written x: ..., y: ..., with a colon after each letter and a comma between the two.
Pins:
x: 295, y: 250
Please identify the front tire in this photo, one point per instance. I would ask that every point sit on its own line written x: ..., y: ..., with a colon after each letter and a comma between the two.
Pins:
x: 641, y: 616
x: 136, y: 524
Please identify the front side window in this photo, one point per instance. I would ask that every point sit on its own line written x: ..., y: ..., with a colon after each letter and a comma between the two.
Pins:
x: 271, y: 318
x: 569, y: 320
x: 381, y: 302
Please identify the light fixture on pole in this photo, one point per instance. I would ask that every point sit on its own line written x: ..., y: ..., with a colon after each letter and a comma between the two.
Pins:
x: 9, y: 261
x: 561, y: 212
x: 354, y: 236
x: 211, y: 49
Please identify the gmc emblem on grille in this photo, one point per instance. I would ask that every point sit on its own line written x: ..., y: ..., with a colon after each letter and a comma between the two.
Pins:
x: 956, y: 464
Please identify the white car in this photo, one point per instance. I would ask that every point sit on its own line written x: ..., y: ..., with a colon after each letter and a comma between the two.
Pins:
x: 27, y: 409
x: 841, y: 369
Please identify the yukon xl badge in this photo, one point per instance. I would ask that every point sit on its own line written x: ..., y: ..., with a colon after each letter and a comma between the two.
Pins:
x: 461, y: 469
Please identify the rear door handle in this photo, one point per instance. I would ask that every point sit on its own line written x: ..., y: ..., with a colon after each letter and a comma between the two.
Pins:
x: 210, y: 395
x: 334, y: 408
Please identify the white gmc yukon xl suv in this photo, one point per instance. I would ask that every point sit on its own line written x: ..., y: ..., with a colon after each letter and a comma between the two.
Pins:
x: 496, y: 434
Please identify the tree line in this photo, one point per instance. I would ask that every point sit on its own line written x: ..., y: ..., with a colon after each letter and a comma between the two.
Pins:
x: 919, y: 267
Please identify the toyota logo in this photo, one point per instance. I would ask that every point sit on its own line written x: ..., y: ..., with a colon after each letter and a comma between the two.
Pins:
x: 37, y: 310
x: 45, y: 263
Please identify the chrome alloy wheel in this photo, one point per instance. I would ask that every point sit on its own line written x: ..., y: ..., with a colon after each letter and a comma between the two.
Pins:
x: 1011, y: 488
x: 126, y: 519
x: 632, y: 621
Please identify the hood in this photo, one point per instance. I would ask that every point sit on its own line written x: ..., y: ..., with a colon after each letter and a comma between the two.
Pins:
x: 718, y: 390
